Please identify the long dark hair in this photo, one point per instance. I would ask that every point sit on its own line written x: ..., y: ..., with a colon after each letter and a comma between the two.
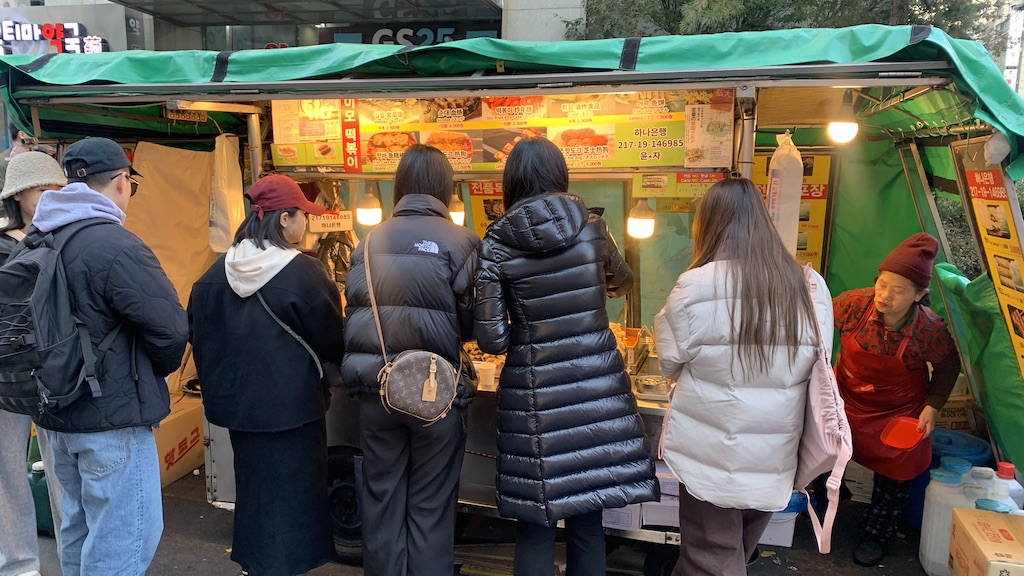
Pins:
x: 14, y: 219
x: 424, y: 170
x: 733, y: 224
x: 266, y: 230
x: 535, y: 166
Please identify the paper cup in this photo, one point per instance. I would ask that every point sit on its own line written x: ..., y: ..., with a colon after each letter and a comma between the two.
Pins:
x: 485, y: 374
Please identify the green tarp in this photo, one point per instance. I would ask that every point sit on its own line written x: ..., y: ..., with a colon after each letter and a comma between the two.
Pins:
x: 974, y: 73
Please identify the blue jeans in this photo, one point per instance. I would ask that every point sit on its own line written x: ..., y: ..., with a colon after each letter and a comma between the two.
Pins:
x: 112, y: 511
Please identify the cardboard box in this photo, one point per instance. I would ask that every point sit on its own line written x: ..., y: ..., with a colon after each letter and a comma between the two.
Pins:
x: 179, y: 439
x: 986, y: 544
x: 662, y: 513
x: 668, y: 481
x: 626, y: 518
x: 955, y: 414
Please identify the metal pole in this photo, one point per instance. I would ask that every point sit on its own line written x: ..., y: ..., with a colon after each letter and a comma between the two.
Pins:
x: 255, y: 146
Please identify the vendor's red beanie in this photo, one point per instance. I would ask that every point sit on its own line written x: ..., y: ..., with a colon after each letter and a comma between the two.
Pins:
x: 913, y: 259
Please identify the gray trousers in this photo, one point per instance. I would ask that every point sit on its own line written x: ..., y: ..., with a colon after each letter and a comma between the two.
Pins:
x: 410, y: 488
x: 716, y: 541
x: 19, y: 549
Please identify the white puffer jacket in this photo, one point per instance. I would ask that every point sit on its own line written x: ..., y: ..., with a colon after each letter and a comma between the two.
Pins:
x: 731, y: 440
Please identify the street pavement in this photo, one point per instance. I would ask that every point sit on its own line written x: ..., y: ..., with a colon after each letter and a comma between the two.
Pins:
x: 197, y: 541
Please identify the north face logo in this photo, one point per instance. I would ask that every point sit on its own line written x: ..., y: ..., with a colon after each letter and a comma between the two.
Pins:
x: 427, y: 246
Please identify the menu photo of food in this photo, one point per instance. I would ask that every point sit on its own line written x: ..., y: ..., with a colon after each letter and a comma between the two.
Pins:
x: 994, y: 220
x: 650, y: 102
x: 445, y: 110
x: 1016, y: 320
x: 389, y: 111
x: 461, y: 147
x: 1009, y: 273
x: 498, y: 143
x: 513, y: 107
x: 579, y: 105
x: 383, y: 149
x: 327, y: 153
x: 288, y: 154
x: 595, y: 142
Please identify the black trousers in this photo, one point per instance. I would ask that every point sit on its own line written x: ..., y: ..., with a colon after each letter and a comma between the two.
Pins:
x: 410, y: 488
x: 584, y: 547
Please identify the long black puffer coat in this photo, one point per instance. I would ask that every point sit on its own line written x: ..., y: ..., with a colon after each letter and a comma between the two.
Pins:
x: 570, y: 440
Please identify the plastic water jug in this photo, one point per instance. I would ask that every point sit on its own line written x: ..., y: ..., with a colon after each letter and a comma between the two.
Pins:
x: 41, y: 498
x: 1005, y: 475
x: 945, y: 442
x: 941, y: 496
x: 1001, y: 493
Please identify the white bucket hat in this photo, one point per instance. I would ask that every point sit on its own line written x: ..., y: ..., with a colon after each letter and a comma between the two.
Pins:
x: 30, y: 170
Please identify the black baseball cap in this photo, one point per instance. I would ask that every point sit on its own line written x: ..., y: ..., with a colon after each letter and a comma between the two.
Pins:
x: 93, y: 156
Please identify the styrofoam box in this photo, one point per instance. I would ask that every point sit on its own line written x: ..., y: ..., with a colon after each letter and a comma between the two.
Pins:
x: 668, y: 481
x: 625, y: 518
x: 780, y: 529
x: 663, y: 513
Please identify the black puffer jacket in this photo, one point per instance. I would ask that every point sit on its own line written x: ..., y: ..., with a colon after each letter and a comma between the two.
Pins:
x: 423, y: 266
x: 570, y: 440
x: 114, y: 276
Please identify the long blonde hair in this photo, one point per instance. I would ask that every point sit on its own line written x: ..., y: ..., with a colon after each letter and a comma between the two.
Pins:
x: 768, y: 284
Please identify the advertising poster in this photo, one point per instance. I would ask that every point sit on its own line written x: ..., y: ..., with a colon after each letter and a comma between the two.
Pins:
x: 486, y: 204
x: 675, y: 192
x: 811, y: 231
x: 629, y: 130
x: 1000, y: 239
x: 709, y: 118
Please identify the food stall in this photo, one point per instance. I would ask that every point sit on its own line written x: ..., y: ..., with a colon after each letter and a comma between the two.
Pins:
x: 646, y: 126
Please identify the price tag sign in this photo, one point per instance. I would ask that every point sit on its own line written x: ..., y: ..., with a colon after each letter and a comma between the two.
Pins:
x: 331, y: 222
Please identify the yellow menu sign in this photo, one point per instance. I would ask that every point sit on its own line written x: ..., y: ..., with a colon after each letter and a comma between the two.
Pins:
x: 629, y: 130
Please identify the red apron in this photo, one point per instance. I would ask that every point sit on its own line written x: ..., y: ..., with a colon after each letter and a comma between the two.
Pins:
x: 876, y: 388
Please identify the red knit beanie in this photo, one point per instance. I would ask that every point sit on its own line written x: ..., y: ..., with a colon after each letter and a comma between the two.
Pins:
x: 913, y: 259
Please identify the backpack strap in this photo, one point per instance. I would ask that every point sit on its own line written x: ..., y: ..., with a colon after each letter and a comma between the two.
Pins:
x: 91, y: 360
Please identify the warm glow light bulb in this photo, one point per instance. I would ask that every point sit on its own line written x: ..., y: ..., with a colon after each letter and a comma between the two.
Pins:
x: 368, y: 210
x: 640, y: 223
x: 844, y: 127
x: 457, y: 209
x: 842, y: 132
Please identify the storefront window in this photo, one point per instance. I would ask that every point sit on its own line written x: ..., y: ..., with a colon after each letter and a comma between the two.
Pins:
x: 251, y: 37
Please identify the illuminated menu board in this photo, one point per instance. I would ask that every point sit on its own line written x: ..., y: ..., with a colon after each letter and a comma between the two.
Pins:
x: 628, y: 130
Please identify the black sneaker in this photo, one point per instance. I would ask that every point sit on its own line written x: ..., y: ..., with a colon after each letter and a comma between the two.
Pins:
x: 869, y: 553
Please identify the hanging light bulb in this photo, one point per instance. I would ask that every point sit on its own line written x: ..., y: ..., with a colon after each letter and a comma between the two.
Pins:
x: 640, y: 223
x: 457, y: 208
x: 368, y: 210
x: 844, y: 128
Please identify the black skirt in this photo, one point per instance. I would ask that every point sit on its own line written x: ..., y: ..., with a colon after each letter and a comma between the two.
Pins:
x: 282, y: 516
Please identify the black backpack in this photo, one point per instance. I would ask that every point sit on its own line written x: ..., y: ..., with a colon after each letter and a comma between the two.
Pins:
x: 45, y: 352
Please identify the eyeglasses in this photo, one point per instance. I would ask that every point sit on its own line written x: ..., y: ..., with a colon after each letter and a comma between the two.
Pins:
x: 131, y: 180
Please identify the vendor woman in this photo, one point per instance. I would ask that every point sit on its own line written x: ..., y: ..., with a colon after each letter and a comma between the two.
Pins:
x: 888, y: 336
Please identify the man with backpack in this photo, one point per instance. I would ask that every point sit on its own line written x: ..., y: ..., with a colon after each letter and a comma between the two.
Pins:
x: 104, y: 450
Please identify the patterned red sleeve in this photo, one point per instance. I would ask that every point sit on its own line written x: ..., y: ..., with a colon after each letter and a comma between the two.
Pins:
x: 847, y: 309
